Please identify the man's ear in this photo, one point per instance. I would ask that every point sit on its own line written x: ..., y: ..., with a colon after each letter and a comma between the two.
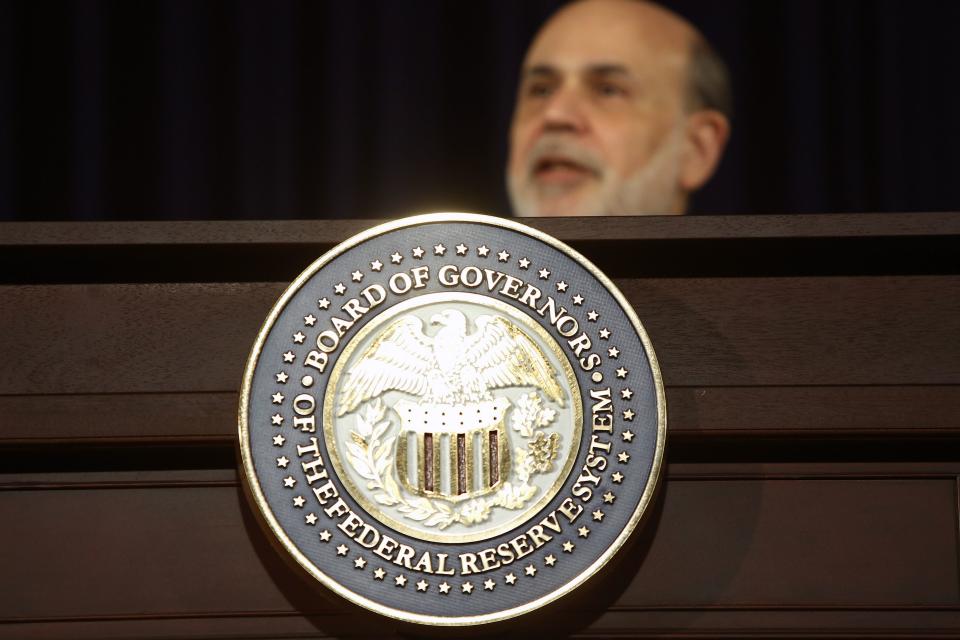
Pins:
x: 707, y: 134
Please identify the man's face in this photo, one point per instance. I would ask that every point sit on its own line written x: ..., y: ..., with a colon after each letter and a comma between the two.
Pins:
x: 599, y: 123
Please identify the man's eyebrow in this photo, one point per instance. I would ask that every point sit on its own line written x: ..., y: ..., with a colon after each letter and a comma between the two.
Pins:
x: 608, y: 69
x: 540, y: 70
x: 599, y: 69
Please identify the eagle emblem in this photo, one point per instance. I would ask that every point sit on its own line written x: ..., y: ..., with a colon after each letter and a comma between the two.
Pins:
x: 452, y: 367
x: 453, y: 442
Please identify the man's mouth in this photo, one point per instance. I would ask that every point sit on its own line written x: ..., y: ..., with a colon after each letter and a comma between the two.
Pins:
x: 557, y: 169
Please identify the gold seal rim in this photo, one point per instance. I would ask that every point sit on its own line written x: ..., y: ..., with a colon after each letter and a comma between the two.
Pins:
x: 503, y: 307
x: 249, y: 473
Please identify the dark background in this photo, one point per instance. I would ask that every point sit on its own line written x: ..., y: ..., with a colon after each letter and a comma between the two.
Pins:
x: 201, y: 110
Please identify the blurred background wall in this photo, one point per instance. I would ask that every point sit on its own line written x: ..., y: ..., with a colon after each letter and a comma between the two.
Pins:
x: 379, y: 108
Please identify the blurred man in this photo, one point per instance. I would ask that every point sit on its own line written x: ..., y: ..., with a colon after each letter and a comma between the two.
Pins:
x: 623, y: 109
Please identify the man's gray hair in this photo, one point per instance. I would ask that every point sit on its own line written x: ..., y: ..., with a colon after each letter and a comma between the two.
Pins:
x: 709, y: 79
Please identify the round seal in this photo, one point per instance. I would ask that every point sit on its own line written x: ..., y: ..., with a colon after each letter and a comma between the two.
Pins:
x: 452, y: 419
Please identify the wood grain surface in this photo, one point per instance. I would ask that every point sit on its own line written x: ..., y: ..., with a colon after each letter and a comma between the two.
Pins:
x: 175, y: 338
x: 812, y: 366
x: 745, y: 537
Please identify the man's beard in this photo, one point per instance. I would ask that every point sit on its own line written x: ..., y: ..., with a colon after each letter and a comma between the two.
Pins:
x: 651, y: 189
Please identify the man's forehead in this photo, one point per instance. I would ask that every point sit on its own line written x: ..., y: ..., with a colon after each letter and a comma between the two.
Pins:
x: 627, y: 33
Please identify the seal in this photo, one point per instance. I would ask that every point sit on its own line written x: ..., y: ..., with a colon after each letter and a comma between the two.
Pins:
x: 452, y: 419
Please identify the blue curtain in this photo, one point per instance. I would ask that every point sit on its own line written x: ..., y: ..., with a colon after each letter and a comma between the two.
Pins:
x: 205, y: 110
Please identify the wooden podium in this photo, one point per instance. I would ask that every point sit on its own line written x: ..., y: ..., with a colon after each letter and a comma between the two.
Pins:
x: 812, y: 366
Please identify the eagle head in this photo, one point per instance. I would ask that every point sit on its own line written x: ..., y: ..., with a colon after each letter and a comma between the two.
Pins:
x: 451, y: 318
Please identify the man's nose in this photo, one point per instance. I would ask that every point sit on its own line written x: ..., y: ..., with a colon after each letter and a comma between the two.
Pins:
x: 565, y: 111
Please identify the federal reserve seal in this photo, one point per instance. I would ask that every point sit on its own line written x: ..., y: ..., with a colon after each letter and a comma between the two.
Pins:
x: 452, y: 419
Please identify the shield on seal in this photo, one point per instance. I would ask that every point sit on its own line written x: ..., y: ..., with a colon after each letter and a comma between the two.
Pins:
x: 453, y: 452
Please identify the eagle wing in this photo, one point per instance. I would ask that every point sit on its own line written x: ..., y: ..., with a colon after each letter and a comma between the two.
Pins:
x: 399, y: 358
x: 504, y: 356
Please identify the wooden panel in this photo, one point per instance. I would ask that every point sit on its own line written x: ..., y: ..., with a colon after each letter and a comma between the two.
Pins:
x: 131, y: 551
x: 119, y: 417
x: 153, y: 545
x: 756, y: 246
x: 694, y: 411
x: 773, y: 623
x: 282, y: 232
x: 130, y: 338
x: 787, y: 410
x: 615, y: 623
x: 860, y: 542
x: 813, y: 375
x: 708, y: 332
x: 802, y: 331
